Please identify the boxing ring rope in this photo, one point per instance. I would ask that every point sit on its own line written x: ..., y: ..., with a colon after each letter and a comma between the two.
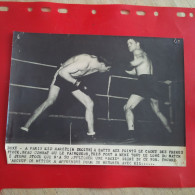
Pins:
x: 63, y: 116
x: 35, y: 63
x: 108, y: 96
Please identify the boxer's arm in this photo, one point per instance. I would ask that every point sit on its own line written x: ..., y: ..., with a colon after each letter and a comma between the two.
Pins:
x: 131, y: 72
x: 66, y: 73
x: 139, y: 58
x: 74, y: 68
x: 136, y: 62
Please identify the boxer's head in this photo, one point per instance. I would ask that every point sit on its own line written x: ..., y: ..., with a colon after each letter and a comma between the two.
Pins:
x: 101, y: 64
x: 133, y: 45
x: 103, y: 60
x: 103, y: 68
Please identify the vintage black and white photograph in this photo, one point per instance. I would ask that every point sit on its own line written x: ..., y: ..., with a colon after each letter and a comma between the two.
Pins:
x: 102, y: 90
x: 114, y: 100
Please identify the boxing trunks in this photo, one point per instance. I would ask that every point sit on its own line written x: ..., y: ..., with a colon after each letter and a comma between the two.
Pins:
x: 68, y: 87
x: 64, y: 84
x: 148, y: 87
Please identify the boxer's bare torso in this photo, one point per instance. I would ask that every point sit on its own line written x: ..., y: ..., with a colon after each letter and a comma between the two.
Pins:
x: 141, y: 63
x: 84, y: 64
x: 79, y: 66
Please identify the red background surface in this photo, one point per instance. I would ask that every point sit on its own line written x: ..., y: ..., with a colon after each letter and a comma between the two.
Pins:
x: 107, y: 21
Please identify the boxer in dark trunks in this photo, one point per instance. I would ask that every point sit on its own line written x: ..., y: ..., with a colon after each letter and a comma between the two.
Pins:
x: 147, y: 86
x: 69, y: 77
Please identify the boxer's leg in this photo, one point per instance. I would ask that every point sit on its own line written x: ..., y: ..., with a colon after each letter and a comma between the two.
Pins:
x: 89, y: 104
x: 132, y: 102
x: 155, y: 107
x: 52, y: 96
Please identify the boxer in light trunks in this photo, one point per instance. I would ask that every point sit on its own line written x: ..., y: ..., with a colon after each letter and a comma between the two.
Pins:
x: 69, y: 77
x: 147, y: 86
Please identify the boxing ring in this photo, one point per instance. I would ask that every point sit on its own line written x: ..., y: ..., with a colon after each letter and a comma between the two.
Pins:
x: 109, y: 96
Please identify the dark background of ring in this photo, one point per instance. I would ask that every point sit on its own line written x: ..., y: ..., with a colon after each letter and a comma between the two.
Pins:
x: 168, y: 62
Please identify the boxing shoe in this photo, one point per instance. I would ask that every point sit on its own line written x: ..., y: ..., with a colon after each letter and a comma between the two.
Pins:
x: 131, y: 136
x: 91, y: 133
x: 91, y: 137
x: 129, y: 139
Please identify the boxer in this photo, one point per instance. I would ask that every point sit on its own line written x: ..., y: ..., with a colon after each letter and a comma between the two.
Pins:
x: 69, y: 77
x: 147, y: 87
